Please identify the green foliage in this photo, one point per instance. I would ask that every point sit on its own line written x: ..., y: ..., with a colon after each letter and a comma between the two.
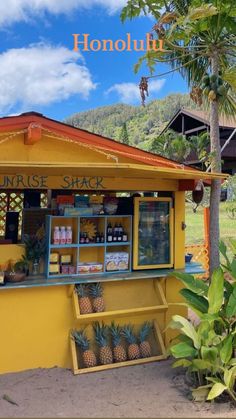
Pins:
x: 206, y: 350
x: 145, y: 331
x: 172, y: 145
x: 144, y: 124
x: 124, y: 136
x: 101, y: 334
x: 80, y: 339
x: 35, y: 247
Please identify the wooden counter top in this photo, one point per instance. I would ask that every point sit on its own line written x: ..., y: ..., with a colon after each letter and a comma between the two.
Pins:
x: 41, y: 281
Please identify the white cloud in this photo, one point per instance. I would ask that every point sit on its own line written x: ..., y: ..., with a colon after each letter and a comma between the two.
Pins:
x: 18, y: 10
x: 129, y: 92
x: 40, y: 75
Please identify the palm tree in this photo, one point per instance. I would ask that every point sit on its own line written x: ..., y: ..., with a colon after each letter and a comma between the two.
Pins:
x: 172, y: 145
x: 199, y: 41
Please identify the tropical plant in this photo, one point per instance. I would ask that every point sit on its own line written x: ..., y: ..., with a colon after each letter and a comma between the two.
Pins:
x: 89, y: 357
x: 206, y: 350
x: 101, y: 337
x: 124, y: 136
x: 96, y: 292
x: 133, y: 348
x: 172, y: 145
x: 200, y: 144
x: 144, y: 346
x: 35, y: 247
x: 199, y: 42
x: 85, y: 304
x: 119, y: 351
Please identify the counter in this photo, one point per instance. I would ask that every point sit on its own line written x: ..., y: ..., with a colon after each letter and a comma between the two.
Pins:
x: 41, y: 281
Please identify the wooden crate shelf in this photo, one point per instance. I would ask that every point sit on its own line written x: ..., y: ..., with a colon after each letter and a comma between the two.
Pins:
x: 77, y: 369
x: 123, y: 299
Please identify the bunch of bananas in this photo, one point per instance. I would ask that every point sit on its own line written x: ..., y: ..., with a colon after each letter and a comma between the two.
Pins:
x: 213, y: 87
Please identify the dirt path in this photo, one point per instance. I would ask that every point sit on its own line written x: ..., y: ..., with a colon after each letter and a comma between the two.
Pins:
x: 145, y: 391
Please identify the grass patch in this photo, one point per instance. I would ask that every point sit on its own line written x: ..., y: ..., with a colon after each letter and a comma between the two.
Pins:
x: 195, y: 225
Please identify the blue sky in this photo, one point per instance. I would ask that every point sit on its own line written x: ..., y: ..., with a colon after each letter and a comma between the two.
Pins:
x: 40, y: 71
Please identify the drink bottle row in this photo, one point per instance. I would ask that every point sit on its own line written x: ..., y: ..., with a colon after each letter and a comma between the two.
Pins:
x: 116, y: 233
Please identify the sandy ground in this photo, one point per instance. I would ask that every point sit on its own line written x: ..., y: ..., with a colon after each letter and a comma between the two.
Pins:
x: 145, y: 391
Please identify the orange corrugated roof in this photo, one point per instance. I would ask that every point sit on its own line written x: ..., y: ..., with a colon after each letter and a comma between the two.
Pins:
x: 98, y: 141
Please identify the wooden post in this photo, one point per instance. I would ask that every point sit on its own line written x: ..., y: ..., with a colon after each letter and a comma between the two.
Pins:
x: 207, y: 229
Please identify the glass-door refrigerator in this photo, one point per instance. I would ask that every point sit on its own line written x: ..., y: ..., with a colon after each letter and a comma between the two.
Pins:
x: 153, y: 233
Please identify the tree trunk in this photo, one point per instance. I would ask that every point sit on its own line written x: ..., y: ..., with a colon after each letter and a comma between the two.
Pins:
x: 215, y: 167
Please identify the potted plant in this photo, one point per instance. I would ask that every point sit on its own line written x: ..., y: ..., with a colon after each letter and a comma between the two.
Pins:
x: 35, y: 250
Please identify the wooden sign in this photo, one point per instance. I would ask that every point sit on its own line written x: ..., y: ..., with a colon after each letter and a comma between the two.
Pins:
x: 51, y: 182
x: 85, y: 183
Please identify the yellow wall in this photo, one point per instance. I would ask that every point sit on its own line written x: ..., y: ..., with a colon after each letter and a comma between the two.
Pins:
x: 34, y: 328
x: 53, y: 150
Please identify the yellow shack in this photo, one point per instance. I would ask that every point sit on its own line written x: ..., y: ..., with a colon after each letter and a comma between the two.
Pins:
x: 111, y: 214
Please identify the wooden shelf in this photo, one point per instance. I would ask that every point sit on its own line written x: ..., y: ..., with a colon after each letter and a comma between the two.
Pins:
x: 79, y: 370
x: 88, y: 252
x: 146, y: 298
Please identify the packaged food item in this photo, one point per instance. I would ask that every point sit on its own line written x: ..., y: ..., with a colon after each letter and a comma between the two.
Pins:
x: 123, y: 261
x: 54, y: 258
x: 117, y: 261
x: 66, y: 259
x: 95, y: 267
x: 64, y: 269
x: 71, y: 270
x: 54, y: 269
x: 83, y: 268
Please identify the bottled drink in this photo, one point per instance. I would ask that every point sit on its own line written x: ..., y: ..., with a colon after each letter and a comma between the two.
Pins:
x: 115, y: 237
x: 109, y: 232
x: 68, y: 235
x: 102, y: 238
x: 116, y: 229
x: 97, y: 238
x: 119, y: 237
x: 124, y: 237
x: 86, y: 238
x: 56, y: 235
x: 63, y: 235
x: 120, y: 229
x: 82, y: 239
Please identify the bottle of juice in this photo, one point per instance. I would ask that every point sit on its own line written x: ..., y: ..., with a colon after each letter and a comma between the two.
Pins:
x: 56, y: 235
x: 68, y: 235
x: 63, y: 235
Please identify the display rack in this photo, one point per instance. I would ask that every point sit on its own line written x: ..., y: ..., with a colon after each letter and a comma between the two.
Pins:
x: 89, y: 252
x: 126, y: 302
x: 157, y: 345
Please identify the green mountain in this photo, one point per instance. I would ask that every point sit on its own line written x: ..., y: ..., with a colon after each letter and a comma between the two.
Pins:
x: 143, y: 124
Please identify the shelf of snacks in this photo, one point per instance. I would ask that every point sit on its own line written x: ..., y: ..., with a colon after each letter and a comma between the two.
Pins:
x: 110, y: 345
x: 92, y: 244
x: 96, y: 301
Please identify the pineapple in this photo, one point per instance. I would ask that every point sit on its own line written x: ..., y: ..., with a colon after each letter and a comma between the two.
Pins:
x: 89, y: 357
x: 133, y: 348
x: 101, y: 337
x: 145, y: 348
x: 119, y: 351
x: 96, y: 291
x: 85, y: 304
